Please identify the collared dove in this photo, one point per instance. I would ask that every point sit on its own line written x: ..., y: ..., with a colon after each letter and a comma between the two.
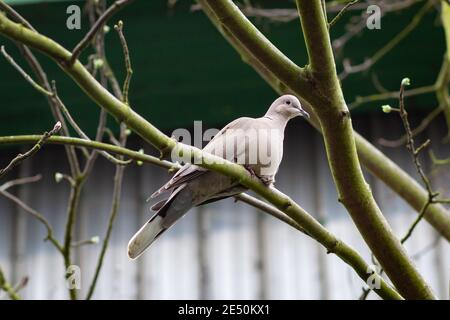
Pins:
x: 255, y: 143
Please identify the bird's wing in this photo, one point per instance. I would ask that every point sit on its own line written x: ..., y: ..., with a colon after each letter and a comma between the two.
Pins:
x: 192, y: 171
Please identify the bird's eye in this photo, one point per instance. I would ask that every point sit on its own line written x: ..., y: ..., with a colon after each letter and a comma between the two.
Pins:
x: 288, y: 102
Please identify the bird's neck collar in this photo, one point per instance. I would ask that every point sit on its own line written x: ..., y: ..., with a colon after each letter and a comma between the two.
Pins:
x: 276, y: 117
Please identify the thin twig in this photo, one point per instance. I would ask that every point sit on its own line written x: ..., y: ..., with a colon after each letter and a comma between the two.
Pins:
x: 265, y: 207
x: 414, y: 152
x: 368, y: 63
x: 21, y: 157
x: 439, y: 162
x: 420, y: 128
x: 20, y: 181
x: 138, y: 156
x: 71, y: 155
x: 410, y: 140
x: 114, y: 8
x: 391, y: 95
x: 21, y: 284
x: 428, y: 248
x: 80, y: 132
x: 7, y: 287
x: 118, y: 176
x: 126, y: 84
x: 93, y: 145
x: 95, y: 8
x: 41, y: 75
x: 15, y: 15
x: 72, y: 209
x: 111, y: 136
x: 28, y: 209
x: 341, y: 13
x: 24, y: 74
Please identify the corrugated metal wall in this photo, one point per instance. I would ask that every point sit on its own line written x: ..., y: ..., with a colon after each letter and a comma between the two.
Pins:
x: 219, y: 251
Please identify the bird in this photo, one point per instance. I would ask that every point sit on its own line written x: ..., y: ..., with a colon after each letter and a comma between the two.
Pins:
x: 257, y: 144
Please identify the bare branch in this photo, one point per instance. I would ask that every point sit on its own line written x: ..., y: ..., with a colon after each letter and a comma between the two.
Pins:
x: 7, y: 287
x: 437, y: 161
x: 369, y: 62
x: 20, y: 181
x: 30, y: 210
x: 341, y: 13
x: 80, y: 132
x: 113, y: 9
x: 123, y: 41
x: 21, y: 157
x: 24, y: 74
x: 419, y: 129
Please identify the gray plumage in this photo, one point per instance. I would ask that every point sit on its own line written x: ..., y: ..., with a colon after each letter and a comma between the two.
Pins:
x: 255, y: 143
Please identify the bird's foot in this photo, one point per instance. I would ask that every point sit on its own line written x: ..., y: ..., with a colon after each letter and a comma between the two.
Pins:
x: 267, y: 180
x: 249, y: 169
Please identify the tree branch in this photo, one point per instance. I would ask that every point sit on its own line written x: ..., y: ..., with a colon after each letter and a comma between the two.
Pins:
x: 113, y: 9
x: 118, y: 176
x: 21, y: 157
x: 38, y: 216
x: 159, y: 140
x: 126, y: 84
x: 373, y: 159
x: 353, y: 191
x: 23, y: 73
x: 42, y: 76
x: 341, y: 13
x: 310, y: 227
x: 8, y: 288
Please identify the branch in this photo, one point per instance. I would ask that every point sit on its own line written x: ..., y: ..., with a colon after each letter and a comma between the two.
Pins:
x: 230, y: 19
x: 8, y: 288
x: 414, y: 152
x: 368, y: 63
x: 439, y: 162
x: 341, y: 13
x: 419, y: 129
x: 80, y: 131
x: 353, y: 191
x: 164, y: 143
x: 137, y: 156
x: 24, y: 74
x: 20, y: 181
x: 21, y: 157
x: 41, y: 75
x: 118, y: 176
x: 72, y: 209
x: 38, y: 216
x: 126, y: 53
x: 306, y: 224
x: 263, y: 206
x: 113, y: 9
x: 375, y: 161
x: 315, y: 32
x: 391, y: 95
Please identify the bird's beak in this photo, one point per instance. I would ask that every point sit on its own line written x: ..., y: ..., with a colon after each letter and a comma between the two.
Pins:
x: 304, y: 113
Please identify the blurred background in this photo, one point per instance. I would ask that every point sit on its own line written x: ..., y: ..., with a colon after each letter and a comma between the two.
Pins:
x: 184, y: 71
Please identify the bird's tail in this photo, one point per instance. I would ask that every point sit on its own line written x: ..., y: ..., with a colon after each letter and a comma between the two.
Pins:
x: 170, y: 212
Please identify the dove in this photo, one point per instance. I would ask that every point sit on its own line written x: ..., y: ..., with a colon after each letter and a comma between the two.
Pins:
x: 257, y: 144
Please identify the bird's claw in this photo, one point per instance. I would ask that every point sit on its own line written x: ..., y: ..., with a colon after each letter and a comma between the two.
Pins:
x: 268, y: 181
x: 249, y: 169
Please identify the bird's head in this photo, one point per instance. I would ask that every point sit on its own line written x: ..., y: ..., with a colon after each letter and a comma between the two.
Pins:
x: 287, y: 106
